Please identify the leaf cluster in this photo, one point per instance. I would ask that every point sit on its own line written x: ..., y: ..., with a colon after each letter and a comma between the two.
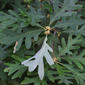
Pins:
x: 24, y: 21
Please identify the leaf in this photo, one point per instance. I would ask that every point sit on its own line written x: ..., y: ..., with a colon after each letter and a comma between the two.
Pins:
x: 17, y: 58
x: 34, y: 80
x: 50, y: 74
x: 64, y: 79
x: 32, y: 34
x: 17, y: 69
x: 60, y: 69
x: 78, y: 60
x: 27, y: 81
x: 61, y: 12
x: 44, y: 82
x: 82, y: 30
x: 71, y: 44
x: 6, y: 21
x: 37, y: 59
x: 3, y: 53
x: 78, y: 76
x: 34, y: 13
x: 11, y: 37
x: 19, y: 73
x: 76, y: 31
x: 71, y: 21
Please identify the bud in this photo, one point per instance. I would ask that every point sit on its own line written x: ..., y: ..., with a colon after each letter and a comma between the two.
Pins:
x: 48, y: 28
x: 55, y: 59
x: 48, y: 16
x: 47, y: 32
x: 28, y: 6
x: 59, y: 33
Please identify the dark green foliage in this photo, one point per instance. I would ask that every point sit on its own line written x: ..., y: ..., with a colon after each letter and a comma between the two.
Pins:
x: 24, y: 21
